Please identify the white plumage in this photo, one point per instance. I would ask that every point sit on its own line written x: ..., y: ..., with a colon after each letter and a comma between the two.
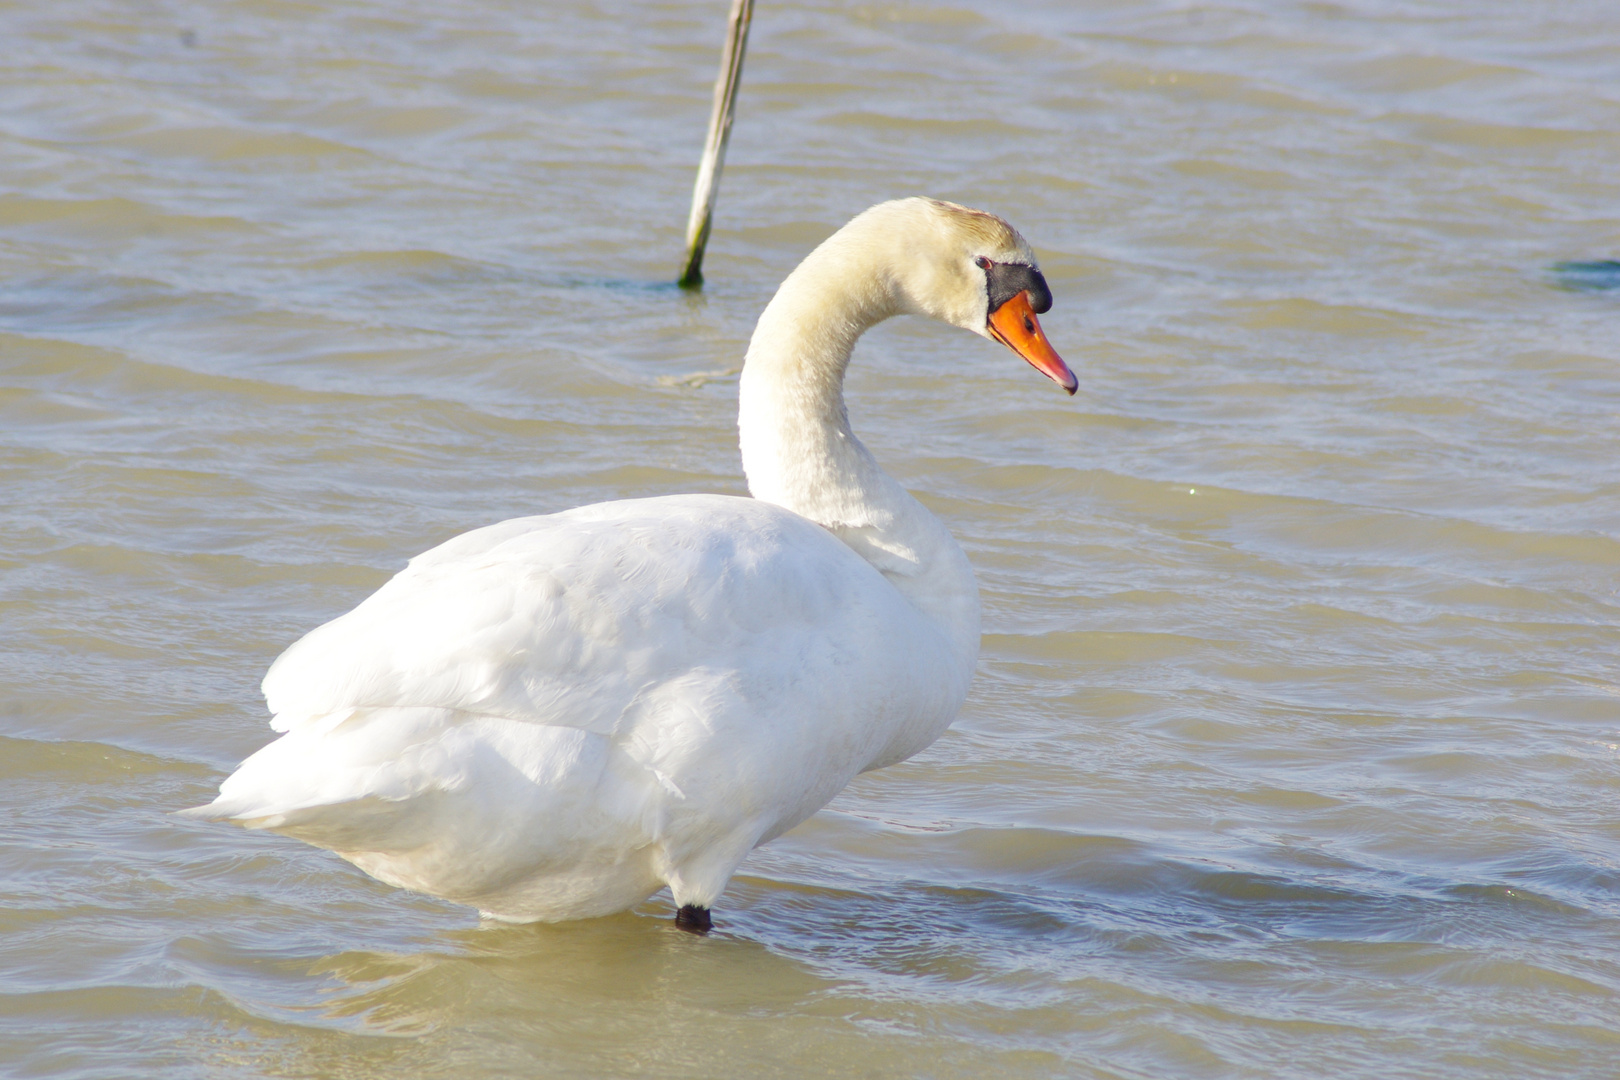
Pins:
x: 553, y: 717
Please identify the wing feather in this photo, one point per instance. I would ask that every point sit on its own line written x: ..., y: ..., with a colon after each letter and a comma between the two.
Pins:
x: 564, y: 619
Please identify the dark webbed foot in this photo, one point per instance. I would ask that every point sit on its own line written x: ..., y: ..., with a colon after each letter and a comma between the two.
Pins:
x: 694, y: 919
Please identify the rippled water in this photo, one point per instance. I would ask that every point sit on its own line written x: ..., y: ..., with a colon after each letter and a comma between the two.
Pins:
x: 1294, y: 747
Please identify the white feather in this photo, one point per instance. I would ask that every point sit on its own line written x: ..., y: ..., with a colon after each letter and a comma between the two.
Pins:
x: 553, y: 717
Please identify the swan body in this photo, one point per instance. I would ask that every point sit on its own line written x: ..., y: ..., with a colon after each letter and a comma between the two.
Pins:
x: 553, y: 717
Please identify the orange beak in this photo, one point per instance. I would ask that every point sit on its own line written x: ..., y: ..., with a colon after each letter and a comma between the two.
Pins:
x: 1015, y: 326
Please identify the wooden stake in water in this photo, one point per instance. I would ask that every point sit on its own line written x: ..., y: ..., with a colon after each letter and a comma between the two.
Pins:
x: 714, y: 151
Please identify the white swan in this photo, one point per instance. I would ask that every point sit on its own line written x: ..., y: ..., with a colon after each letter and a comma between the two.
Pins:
x: 552, y: 717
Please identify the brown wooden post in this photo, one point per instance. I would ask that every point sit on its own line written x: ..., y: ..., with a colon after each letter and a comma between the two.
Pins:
x: 714, y: 151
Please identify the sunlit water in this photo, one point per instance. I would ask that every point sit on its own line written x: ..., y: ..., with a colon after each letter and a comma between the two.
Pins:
x: 1293, y: 751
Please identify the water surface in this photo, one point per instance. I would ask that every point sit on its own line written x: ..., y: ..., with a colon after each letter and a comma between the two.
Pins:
x: 1295, y: 746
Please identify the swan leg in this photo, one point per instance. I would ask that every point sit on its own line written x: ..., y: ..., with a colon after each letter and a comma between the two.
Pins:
x: 694, y: 919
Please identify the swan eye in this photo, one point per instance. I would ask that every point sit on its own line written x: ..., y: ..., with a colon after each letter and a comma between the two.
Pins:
x: 982, y: 263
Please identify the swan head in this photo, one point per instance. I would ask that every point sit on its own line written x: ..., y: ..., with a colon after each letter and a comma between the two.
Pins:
x: 971, y: 269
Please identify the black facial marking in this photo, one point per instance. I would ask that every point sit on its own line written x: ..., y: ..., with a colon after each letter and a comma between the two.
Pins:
x: 1007, y: 280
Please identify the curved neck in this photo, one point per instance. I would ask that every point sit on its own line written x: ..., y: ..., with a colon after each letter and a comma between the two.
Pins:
x: 797, y: 448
